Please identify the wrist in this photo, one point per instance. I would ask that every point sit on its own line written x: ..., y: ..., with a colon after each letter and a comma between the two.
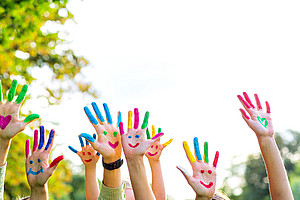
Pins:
x: 202, y: 198
x: 4, y: 148
x: 265, y: 140
x: 39, y: 192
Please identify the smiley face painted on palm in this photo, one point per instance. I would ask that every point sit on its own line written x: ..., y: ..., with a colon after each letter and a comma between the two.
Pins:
x: 133, y: 141
x: 152, y: 151
x: 32, y: 165
x: 113, y: 144
x: 210, y: 184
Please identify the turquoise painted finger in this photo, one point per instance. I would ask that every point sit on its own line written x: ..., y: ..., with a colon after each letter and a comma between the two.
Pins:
x: 97, y: 111
x: 1, y: 95
x: 42, y: 137
x: 197, y: 150
x: 90, y: 116
x: 88, y: 137
x: 148, y: 134
x: 206, y: 152
x: 12, y: 90
x: 31, y: 117
x: 22, y: 94
x: 108, y: 116
x: 72, y: 149
x: 119, y: 118
x: 50, y: 139
x: 81, y: 141
x: 145, y: 122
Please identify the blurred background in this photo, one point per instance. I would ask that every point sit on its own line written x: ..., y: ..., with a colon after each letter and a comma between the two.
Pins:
x: 183, y: 61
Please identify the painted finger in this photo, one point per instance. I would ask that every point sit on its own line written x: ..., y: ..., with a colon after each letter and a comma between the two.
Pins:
x: 12, y: 91
x: 35, y: 140
x: 184, y: 172
x: 108, y: 116
x: 167, y: 143
x: 244, y: 114
x: 98, y: 113
x: 1, y: 94
x: 119, y: 118
x: 188, y: 152
x: 148, y: 134
x: 94, y: 136
x: 130, y: 120
x: 244, y: 103
x: 50, y: 140
x: 56, y: 161
x: 27, y: 148
x: 206, y: 152
x: 197, y: 149
x: 31, y: 117
x: 145, y: 122
x: 87, y: 143
x: 81, y: 141
x: 22, y: 94
x: 153, y: 130
x: 216, y: 159
x: 248, y: 99
x: 136, y: 118
x: 259, y: 107
x: 72, y: 149
x: 42, y: 137
x: 157, y: 136
x: 121, y: 128
x: 87, y: 137
x: 268, y: 107
x: 159, y: 130
x: 90, y: 116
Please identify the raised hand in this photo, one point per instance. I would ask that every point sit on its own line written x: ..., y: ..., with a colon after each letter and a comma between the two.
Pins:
x: 10, y: 124
x: 259, y: 121
x: 203, y: 180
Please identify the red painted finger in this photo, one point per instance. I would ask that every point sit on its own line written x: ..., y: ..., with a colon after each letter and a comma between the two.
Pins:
x: 268, y: 107
x: 244, y: 113
x: 216, y: 159
x: 35, y: 140
x: 243, y: 101
x: 136, y: 118
x: 27, y: 148
x: 121, y: 128
x: 56, y: 161
x: 248, y: 99
x: 257, y: 102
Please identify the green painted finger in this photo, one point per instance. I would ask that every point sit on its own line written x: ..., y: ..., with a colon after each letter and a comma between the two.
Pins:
x: 22, y: 94
x: 12, y: 91
x: 148, y: 134
x: 1, y: 96
x: 206, y: 152
x: 145, y: 123
x: 159, y: 131
x: 31, y: 117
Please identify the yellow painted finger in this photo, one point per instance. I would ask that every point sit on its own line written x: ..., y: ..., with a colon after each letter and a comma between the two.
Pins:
x: 188, y: 152
x: 153, y: 131
x: 130, y: 120
x: 167, y: 143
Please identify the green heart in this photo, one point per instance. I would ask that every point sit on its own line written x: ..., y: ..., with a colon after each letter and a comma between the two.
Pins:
x: 263, y: 121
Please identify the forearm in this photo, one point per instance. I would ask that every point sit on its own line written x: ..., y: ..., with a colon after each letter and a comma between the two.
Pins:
x: 158, y: 186
x: 39, y: 193
x: 202, y: 198
x: 4, y: 148
x: 138, y: 177
x: 112, y: 178
x: 278, y: 179
x: 91, y: 185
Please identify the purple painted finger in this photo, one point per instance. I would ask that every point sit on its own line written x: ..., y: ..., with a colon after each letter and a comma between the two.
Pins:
x: 136, y: 118
x: 157, y: 136
x: 248, y: 99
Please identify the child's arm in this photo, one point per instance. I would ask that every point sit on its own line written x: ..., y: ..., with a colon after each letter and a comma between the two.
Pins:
x: 203, y: 180
x: 261, y: 123
x: 37, y: 169
x: 135, y: 145
x: 153, y: 155
x: 89, y: 158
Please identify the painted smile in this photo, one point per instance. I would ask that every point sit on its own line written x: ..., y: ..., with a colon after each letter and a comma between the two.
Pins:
x: 137, y: 144
x: 34, y: 173
x: 88, y: 160
x: 152, y: 154
x: 207, y: 186
x: 113, y: 145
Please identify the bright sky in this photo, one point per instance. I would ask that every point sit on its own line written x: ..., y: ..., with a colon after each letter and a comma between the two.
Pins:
x: 184, y: 62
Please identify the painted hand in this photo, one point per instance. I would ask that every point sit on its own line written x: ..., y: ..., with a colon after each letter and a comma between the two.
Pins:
x: 134, y: 142
x: 203, y: 180
x: 88, y: 155
x: 108, y: 141
x: 37, y: 169
x: 10, y: 124
x: 154, y: 152
x: 259, y: 121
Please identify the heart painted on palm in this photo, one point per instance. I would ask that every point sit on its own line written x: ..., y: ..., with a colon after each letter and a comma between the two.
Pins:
x: 4, y: 121
x: 263, y: 121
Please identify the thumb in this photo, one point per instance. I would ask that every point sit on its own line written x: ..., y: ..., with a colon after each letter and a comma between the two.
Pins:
x: 56, y: 161
x: 184, y: 172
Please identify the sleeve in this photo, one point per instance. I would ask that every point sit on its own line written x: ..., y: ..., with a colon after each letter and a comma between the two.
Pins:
x: 2, y: 177
x: 107, y: 193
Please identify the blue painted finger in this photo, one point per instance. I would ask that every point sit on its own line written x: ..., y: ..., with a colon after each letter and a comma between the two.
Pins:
x: 88, y: 137
x: 108, y: 116
x: 97, y: 111
x: 81, y: 141
x: 50, y: 139
x: 197, y: 150
x: 90, y: 116
x: 94, y: 136
x: 42, y: 137
x: 98, y: 154
x: 72, y: 149
x: 86, y: 142
x: 119, y: 118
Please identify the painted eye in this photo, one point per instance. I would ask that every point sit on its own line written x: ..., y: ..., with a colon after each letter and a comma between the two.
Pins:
x: 89, y: 153
x: 39, y: 160
x: 115, y: 134
x: 156, y: 146
x: 129, y: 136
x: 152, y: 146
x: 202, y: 171
x: 83, y: 153
x: 104, y: 132
x: 209, y: 171
x: 31, y: 162
x: 137, y: 136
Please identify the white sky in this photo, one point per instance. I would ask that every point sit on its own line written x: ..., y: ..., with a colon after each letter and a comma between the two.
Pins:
x: 185, y: 62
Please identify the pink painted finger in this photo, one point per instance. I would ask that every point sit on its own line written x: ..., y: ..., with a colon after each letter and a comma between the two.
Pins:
x: 257, y: 102
x: 27, y: 148
x: 248, y: 99
x: 244, y: 113
x: 56, y: 161
x: 268, y: 107
x: 35, y: 140
x: 245, y: 104
x: 136, y: 118
x: 216, y: 159
x: 157, y: 136
x: 121, y: 128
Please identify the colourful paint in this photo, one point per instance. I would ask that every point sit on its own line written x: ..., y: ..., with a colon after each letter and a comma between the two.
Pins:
x: 86, y: 142
x: 4, y: 121
x: 56, y: 161
x: 154, y: 154
x: 244, y: 113
x: 12, y: 91
x: 81, y: 141
x: 248, y: 99
x: 209, y: 171
x: 259, y: 107
x: 202, y: 171
x: 130, y: 120
x: 22, y: 94
x: 157, y: 136
x: 137, y: 136
x: 113, y: 145
x: 35, y: 173
x: 50, y: 139
x: 121, y: 128
x: 90, y: 116
x: 145, y: 122
x: 97, y: 111
x: 104, y: 132
x: 27, y: 148
x: 243, y: 101
x: 108, y: 116
x: 119, y: 118
x: 148, y: 134
x: 263, y: 121
x: 89, y: 160
x: 72, y: 149
x: 268, y: 107
x: 31, y: 117
x: 159, y: 130
x: 167, y: 143
x: 153, y: 130
x: 42, y: 137
x: 206, y: 152
x: 133, y: 146
x: 197, y: 149
x: 207, y: 185
x: 115, y: 134
x: 88, y: 137
x: 216, y: 159
x: 136, y: 118
x: 188, y: 152
x: 35, y: 140
x: 1, y: 95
